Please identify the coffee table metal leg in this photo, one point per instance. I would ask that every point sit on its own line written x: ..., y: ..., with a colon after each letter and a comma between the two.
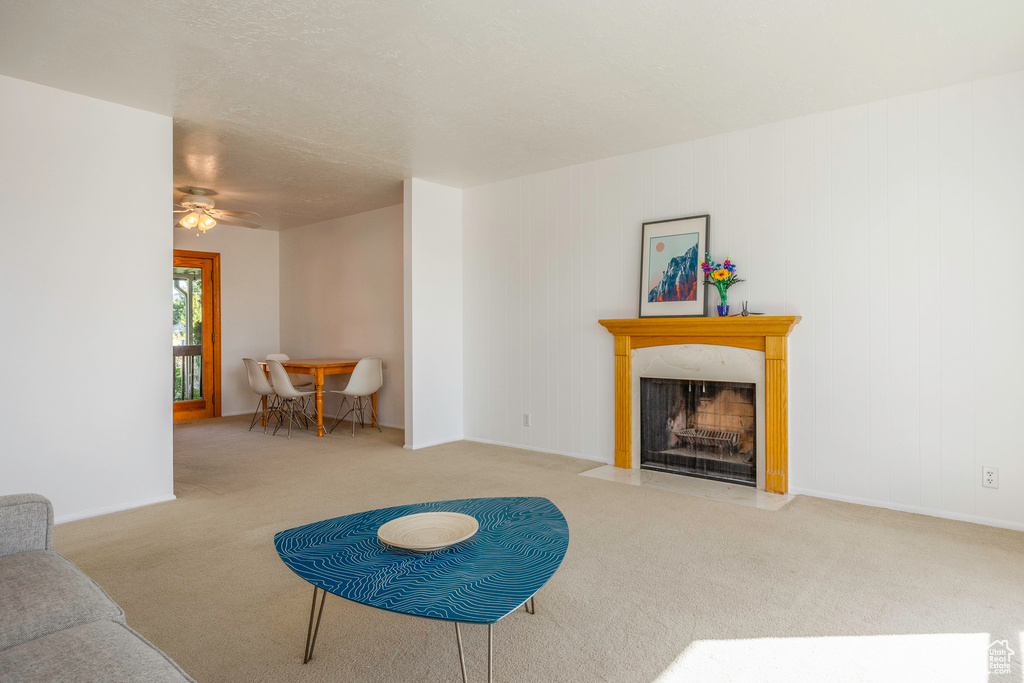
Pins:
x: 311, y: 633
x: 530, y: 606
x: 490, y: 652
x: 462, y: 657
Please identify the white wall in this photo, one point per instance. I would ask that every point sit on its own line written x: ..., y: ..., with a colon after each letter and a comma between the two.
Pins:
x: 433, y: 313
x: 249, y: 302
x: 84, y: 214
x: 895, y: 229
x: 341, y: 296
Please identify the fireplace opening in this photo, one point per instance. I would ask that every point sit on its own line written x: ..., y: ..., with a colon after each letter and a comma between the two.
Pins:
x: 699, y: 428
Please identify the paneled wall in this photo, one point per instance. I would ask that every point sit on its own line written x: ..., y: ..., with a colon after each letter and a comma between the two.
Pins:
x: 895, y: 229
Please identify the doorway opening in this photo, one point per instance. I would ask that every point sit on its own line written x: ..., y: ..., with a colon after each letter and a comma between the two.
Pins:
x: 195, y: 335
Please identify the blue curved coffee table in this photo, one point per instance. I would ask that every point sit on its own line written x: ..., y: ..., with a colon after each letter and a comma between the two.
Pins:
x: 518, y: 547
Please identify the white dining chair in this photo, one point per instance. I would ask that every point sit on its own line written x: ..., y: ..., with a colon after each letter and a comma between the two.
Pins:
x: 259, y: 383
x: 290, y: 397
x: 298, y: 384
x: 366, y: 379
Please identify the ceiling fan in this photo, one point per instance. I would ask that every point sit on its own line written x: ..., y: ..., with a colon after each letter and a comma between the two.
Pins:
x: 201, y: 213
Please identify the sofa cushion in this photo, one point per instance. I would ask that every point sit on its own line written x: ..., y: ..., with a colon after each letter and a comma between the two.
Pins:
x: 42, y: 592
x: 101, y: 651
x: 26, y: 523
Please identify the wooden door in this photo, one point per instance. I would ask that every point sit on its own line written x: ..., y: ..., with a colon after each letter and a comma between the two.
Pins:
x: 196, y: 335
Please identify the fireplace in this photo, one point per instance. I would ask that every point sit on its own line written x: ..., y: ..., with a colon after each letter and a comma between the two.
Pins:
x: 765, y: 334
x: 698, y: 427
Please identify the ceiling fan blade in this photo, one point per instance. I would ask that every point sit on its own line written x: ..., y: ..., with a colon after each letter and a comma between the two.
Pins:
x: 235, y: 214
x: 231, y: 220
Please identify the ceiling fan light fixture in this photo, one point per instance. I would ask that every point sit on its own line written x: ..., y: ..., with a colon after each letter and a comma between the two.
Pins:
x: 195, y: 209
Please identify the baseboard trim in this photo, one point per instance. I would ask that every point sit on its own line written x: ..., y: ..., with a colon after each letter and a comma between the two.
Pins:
x: 581, y: 456
x: 96, y: 512
x: 915, y: 509
x: 418, y: 446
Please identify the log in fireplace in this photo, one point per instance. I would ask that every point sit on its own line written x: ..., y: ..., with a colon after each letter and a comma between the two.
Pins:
x: 700, y: 428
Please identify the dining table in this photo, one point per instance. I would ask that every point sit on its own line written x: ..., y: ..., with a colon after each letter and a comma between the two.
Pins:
x: 319, y: 368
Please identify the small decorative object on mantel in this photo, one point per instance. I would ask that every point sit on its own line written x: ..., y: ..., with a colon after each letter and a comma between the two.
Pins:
x: 722, y: 276
x: 745, y: 312
x: 669, y: 259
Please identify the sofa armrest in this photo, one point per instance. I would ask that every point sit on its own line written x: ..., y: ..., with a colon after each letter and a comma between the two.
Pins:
x: 26, y: 523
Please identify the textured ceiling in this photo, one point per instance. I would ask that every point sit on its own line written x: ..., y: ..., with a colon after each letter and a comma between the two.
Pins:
x: 304, y: 110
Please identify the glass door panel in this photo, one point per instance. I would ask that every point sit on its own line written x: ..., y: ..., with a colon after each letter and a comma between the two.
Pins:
x: 187, y: 333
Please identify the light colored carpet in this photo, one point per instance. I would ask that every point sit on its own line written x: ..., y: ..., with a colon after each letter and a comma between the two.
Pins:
x: 656, y: 586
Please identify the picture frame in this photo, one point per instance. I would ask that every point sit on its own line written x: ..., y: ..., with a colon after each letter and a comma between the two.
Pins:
x: 671, y: 281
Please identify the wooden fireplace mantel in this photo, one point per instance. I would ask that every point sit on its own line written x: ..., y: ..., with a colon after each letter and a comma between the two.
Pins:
x: 760, y: 333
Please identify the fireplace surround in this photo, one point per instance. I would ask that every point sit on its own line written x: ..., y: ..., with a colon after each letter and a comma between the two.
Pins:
x: 699, y: 362
x: 766, y: 334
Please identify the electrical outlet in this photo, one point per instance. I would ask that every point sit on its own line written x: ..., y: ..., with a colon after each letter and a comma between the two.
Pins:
x: 526, y: 419
x: 990, y: 477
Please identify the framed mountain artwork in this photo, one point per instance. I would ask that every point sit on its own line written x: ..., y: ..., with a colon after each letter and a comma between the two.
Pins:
x: 671, y: 282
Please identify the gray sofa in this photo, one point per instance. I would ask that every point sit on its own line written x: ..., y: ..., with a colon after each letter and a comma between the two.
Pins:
x: 57, y: 624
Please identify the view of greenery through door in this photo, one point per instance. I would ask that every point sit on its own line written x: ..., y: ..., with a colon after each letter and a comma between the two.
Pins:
x: 188, y: 333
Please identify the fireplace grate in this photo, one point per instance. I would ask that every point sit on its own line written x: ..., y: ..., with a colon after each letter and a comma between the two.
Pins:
x: 709, y: 438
